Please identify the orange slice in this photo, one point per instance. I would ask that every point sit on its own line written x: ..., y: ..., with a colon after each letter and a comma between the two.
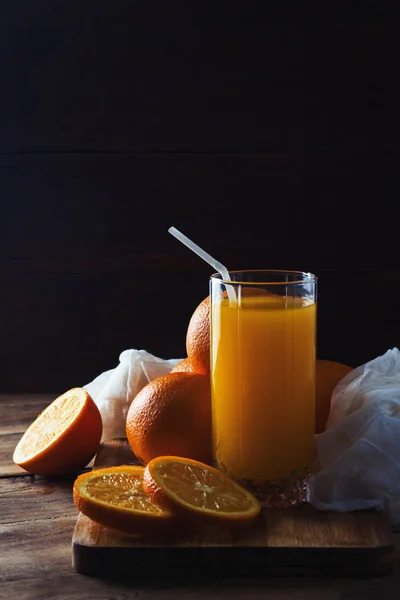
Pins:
x: 63, y: 438
x: 115, y: 498
x: 199, y: 492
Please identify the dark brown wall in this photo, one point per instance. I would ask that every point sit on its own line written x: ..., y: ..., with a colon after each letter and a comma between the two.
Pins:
x: 272, y: 146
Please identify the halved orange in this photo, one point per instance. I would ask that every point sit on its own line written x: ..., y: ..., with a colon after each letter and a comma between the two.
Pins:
x: 63, y: 438
x: 201, y: 493
x: 115, y: 498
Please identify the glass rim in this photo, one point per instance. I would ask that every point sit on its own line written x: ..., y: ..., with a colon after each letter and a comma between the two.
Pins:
x: 299, y: 277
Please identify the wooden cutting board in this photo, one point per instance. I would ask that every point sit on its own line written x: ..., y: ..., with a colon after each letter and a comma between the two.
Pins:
x: 297, y: 541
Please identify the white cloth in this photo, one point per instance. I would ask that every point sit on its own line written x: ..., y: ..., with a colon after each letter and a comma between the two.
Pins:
x: 358, y: 456
x: 114, y: 390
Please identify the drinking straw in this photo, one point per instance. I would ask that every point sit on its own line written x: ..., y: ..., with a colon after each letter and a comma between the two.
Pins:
x: 222, y: 270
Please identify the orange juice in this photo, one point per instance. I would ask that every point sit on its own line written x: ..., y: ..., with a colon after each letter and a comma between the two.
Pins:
x: 263, y: 384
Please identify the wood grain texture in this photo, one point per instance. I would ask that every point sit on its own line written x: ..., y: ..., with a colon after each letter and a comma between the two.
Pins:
x: 96, y: 207
x: 263, y: 140
x: 151, y: 78
x: 37, y: 520
x: 89, y: 269
x: 113, y: 118
x: 301, y: 540
x: 16, y: 414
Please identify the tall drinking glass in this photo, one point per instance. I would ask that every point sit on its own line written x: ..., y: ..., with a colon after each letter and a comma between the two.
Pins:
x: 263, y: 353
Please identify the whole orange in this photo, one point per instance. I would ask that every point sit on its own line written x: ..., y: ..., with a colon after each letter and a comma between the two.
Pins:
x: 328, y: 374
x: 171, y: 415
x: 184, y: 366
x: 198, y: 337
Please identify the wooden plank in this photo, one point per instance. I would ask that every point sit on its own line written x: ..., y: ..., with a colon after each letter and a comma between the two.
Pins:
x: 34, y: 548
x: 299, y: 540
x: 68, y: 333
x: 157, y: 187
x: 313, y: 528
x: 17, y: 412
x: 281, y: 528
x: 50, y: 340
x: 32, y: 498
x: 120, y: 117
x: 218, y: 81
x: 7, y: 466
x: 28, y: 564
x: 343, y: 530
x: 36, y: 556
x: 372, y: 530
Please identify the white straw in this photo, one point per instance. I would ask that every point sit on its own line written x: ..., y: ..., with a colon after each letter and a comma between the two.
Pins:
x: 222, y: 270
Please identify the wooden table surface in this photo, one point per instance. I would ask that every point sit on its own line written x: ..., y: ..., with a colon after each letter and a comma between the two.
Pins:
x: 37, y: 519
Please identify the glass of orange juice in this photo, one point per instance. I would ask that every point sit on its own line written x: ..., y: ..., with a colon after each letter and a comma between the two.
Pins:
x: 263, y: 353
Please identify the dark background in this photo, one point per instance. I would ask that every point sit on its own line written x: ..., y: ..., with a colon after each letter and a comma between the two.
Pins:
x: 270, y: 144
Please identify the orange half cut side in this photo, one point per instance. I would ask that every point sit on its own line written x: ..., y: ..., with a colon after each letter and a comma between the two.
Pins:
x: 63, y: 438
